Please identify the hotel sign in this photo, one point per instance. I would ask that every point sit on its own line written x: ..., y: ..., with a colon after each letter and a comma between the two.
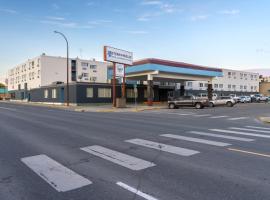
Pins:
x: 118, y: 56
x: 119, y: 70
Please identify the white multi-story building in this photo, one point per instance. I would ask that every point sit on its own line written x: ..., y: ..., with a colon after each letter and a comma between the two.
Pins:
x: 45, y: 70
x: 232, y: 81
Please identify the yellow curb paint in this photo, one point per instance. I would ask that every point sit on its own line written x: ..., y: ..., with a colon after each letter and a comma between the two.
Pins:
x: 250, y: 152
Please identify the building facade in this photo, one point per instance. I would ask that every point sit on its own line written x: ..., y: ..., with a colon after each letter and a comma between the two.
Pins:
x: 232, y: 82
x: 45, y: 70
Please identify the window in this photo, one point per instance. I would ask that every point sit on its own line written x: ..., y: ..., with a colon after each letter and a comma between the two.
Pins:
x: 241, y: 87
x: 84, y: 64
x: 234, y: 87
x: 220, y: 85
x: 93, y: 67
x: 89, y: 93
x: 251, y: 87
x: 229, y: 86
x: 245, y: 87
x: 54, y: 93
x: 201, y: 84
x: 93, y: 78
x: 215, y: 85
x: 206, y: 85
x: 130, y: 93
x: 46, y: 94
x: 189, y: 84
x: 104, y: 93
x: 85, y: 75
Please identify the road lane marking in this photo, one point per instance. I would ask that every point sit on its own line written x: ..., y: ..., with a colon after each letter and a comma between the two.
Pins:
x: 198, y: 140
x: 10, y: 109
x: 116, y: 157
x: 247, y: 129
x: 58, y: 176
x: 163, y: 147
x: 249, y: 152
x: 240, y: 133
x: 237, y: 118
x: 218, y: 117
x: 258, y: 127
x: 222, y: 136
x: 204, y: 115
x: 135, y: 191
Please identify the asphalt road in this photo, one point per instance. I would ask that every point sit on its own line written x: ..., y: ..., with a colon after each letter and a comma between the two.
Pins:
x: 184, y: 154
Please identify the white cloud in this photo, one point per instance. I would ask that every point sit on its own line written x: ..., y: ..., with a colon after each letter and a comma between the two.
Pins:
x: 199, y: 17
x: 65, y: 24
x: 55, y: 6
x: 90, y: 3
x: 55, y: 18
x: 148, y: 16
x: 137, y: 32
x: 99, y: 22
x: 151, y: 2
x: 9, y: 11
x: 230, y: 12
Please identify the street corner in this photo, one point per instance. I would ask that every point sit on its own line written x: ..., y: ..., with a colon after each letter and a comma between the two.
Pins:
x: 265, y: 120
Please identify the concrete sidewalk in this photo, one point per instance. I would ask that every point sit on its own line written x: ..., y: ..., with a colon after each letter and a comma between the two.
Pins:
x: 94, y: 107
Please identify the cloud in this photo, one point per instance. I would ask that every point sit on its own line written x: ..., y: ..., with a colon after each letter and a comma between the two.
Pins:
x: 230, y: 12
x: 199, y: 17
x: 55, y: 18
x: 151, y: 2
x: 8, y: 11
x: 65, y: 24
x: 55, y: 6
x: 148, y: 16
x: 100, y: 22
x: 160, y: 9
x: 137, y: 32
x: 262, y: 51
x: 90, y: 3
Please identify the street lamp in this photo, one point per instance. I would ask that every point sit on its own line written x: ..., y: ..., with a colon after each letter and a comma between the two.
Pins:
x: 57, y: 32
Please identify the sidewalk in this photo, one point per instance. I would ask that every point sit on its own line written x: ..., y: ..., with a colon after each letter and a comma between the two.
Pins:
x: 95, y: 107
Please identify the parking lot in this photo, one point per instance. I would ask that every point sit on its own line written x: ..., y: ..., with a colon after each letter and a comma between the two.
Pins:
x: 167, y: 154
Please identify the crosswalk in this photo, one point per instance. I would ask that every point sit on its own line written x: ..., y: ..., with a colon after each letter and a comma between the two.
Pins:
x: 63, y: 179
x: 196, y: 115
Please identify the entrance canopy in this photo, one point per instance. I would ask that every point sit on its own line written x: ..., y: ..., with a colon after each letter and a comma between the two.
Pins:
x: 158, y: 70
x: 164, y: 70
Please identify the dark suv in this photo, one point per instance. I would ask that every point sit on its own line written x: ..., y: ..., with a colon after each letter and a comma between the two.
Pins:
x: 189, y: 101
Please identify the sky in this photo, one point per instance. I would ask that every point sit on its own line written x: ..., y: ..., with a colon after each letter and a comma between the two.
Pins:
x: 232, y: 34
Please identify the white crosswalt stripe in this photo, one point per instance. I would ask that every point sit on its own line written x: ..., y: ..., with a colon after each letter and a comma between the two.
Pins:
x: 206, y: 115
x: 135, y: 191
x: 258, y: 127
x: 240, y: 133
x: 190, y: 139
x: 237, y: 118
x: 10, y: 109
x: 222, y: 136
x: 116, y: 157
x: 58, y: 176
x: 218, y: 117
x: 252, y: 130
x: 163, y: 147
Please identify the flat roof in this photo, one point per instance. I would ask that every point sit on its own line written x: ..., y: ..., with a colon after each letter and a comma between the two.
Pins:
x: 174, y: 64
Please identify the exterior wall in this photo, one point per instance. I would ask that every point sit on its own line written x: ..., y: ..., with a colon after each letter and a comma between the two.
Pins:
x: 232, y: 82
x: 52, y: 69
x: 265, y: 88
x: 25, y: 75
x: 45, y: 70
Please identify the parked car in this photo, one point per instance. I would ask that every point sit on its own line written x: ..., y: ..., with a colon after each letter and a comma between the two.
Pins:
x: 222, y: 101
x: 261, y: 98
x: 189, y: 101
x: 205, y: 96
x: 248, y: 99
x: 243, y: 99
x: 235, y: 97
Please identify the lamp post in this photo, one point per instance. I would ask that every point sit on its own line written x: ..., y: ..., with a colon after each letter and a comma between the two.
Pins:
x: 57, y: 32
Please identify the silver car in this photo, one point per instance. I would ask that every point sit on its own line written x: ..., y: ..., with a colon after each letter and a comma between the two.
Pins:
x: 222, y: 101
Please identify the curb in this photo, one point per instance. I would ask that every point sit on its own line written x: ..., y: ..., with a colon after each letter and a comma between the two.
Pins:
x: 265, y: 119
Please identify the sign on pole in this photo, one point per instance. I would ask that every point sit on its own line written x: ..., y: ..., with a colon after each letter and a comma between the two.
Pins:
x: 118, y: 56
x: 119, y: 70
